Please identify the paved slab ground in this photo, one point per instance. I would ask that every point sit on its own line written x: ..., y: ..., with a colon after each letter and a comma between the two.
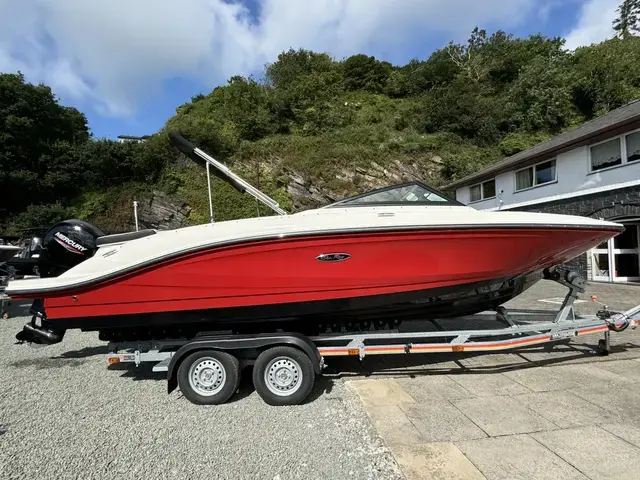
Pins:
x: 539, y: 413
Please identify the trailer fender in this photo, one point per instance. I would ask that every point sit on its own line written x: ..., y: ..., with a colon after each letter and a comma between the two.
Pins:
x: 242, y: 342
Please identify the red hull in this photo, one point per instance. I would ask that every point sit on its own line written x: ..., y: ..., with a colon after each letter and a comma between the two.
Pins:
x: 287, y: 271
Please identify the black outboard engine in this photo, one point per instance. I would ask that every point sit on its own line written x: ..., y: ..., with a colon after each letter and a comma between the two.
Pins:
x: 64, y: 246
x: 67, y: 244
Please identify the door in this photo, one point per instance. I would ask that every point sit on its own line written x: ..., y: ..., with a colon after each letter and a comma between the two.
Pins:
x: 618, y: 260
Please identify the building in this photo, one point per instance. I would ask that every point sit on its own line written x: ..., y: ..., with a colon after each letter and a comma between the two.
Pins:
x: 592, y: 170
x: 131, y: 138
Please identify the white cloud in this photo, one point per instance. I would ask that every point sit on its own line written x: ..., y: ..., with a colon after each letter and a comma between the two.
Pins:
x: 594, y: 23
x: 115, y: 52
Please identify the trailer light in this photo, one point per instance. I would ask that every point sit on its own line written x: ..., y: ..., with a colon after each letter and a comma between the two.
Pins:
x: 113, y: 360
x: 457, y: 348
x: 353, y: 352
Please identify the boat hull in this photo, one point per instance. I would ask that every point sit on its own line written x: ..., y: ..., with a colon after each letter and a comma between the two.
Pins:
x: 370, y: 312
x: 286, y: 273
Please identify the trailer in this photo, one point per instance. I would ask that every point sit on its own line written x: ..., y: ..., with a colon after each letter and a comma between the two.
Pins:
x: 207, y: 368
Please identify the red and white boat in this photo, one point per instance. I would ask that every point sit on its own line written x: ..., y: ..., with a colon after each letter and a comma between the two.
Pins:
x: 373, y: 260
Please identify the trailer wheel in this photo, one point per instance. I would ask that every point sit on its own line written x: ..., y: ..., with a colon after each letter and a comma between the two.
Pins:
x: 283, y: 376
x: 209, y: 377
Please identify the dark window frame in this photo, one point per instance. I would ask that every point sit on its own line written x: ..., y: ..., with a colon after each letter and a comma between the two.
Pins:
x: 534, y: 176
x: 481, y: 185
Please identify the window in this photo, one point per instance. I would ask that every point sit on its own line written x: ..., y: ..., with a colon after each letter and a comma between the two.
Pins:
x: 489, y: 189
x: 482, y: 191
x: 401, y: 194
x: 616, y: 151
x: 409, y: 193
x: 476, y: 193
x: 605, y: 155
x: 633, y: 146
x: 539, y: 174
x: 524, y: 179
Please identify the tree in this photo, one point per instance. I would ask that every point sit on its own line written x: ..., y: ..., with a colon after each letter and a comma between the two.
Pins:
x: 467, y: 58
x: 366, y: 73
x: 468, y: 104
x: 294, y: 64
x: 34, y: 131
x: 605, y: 76
x: 541, y: 98
x: 628, y: 21
x: 497, y: 60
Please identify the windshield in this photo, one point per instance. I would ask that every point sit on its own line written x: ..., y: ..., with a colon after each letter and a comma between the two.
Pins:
x: 414, y: 193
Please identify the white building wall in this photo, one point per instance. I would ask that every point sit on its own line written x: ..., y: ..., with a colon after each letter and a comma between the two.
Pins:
x: 572, y: 173
x: 462, y: 195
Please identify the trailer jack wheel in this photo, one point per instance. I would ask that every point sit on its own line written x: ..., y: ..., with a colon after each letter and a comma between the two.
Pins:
x: 283, y: 376
x: 209, y: 377
x: 603, y: 348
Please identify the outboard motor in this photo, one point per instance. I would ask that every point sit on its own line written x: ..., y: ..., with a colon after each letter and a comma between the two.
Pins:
x: 67, y: 244
x: 64, y: 246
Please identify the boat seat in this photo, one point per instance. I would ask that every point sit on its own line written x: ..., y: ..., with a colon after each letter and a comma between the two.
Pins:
x: 123, y: 237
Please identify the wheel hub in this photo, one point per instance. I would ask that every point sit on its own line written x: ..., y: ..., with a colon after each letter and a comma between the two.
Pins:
x: 207, y: 376
x: 283, y: 376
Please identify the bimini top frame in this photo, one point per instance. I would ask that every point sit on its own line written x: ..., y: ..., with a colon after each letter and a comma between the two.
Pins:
x: 221, y: 171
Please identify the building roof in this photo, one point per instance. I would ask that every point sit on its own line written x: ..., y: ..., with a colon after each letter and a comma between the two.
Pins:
x: 625, y: 115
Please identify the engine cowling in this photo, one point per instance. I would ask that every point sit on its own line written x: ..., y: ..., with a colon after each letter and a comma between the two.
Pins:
x: 67, y: 244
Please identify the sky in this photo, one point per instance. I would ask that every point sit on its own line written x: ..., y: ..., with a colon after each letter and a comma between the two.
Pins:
x: 127, y: 64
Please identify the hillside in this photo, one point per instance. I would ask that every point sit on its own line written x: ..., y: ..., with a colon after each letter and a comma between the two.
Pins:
x: 313, y: 129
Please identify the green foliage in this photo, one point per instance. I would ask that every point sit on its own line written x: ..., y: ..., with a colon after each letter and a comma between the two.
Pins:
x: 35, y: 134
x: 366, y: 73
x: 38, y: 216
x: 519, y: 141
x: 228, y: 204
x: 218, y: 122
x: 294, y: 65
x: 332, y: 125
x: 541, y: 97
x: 606, y: 76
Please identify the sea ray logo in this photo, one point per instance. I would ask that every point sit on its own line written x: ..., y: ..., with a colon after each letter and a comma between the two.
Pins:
x: 69, y: 244
x: 333, y: 257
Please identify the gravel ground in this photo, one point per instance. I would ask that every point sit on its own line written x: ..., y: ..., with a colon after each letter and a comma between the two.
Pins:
x: 64, y: 414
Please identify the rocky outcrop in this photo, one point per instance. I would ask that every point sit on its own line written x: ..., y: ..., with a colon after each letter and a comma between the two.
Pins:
x: 162, y: 212
x: 310, y: 193
x: 304, y: 194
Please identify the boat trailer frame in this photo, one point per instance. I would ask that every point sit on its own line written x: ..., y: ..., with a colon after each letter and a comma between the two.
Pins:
x: 523, y: 328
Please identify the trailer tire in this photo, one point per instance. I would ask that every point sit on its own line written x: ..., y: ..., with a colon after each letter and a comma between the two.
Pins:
x: 209, y: 377
x: 283, y: 376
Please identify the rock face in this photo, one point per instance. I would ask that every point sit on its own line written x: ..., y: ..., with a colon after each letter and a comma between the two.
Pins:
x: 306, y: 193
x: 162, y: 212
